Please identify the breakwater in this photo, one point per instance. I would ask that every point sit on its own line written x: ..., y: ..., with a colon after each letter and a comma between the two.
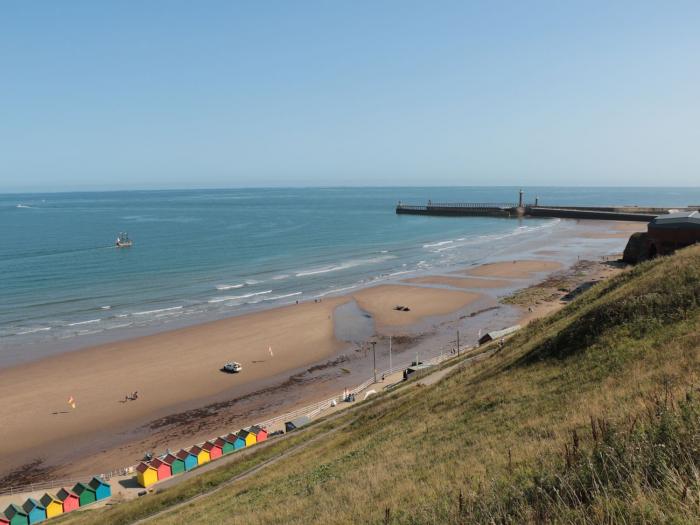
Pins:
x: 619, y: 213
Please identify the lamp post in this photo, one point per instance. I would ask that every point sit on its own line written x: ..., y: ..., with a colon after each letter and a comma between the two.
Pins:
x: 390, y: 367
x: 457, y: 343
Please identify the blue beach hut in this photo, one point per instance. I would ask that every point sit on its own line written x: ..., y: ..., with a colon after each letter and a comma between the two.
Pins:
x: 238, y: 441
x: 36, y: 512
x: 102, y: 490
x: 188, y: 458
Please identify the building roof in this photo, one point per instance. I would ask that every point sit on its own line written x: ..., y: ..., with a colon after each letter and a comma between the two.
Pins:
x: 678, y: 219
x: 64, y: 494
x: 14, y: 509
x: 30, y: 504
x: 210, y: 445
x: 244, y: 432
x: 155, y: 463
x: 255, y: 429
x: 221, y: 442
x: 143, y: 467
x: 96, y: 482
x: 196, y: 449
x: 299, y: 422
x: 47, y: 499
x: 496, y: 334
x: 169, y: 459
x: 182, y: 454
x: 232, y: 437
x: 82, y: 487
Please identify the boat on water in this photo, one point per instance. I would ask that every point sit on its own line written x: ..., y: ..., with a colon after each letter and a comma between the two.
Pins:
x: 123, y: 240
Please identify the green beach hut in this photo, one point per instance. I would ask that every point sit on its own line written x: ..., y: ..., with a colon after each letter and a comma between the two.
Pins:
x: 225, y: 446
x: 177, y: 466
x: 35, y: 511
x: 86, y: 494
x: 16, y: 515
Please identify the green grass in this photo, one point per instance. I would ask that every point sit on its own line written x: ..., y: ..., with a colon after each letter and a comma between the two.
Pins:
x: 590, y: 415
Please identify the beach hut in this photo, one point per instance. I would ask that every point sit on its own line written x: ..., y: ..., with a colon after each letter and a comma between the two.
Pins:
x: 69, y: 499
x: 4, y: 520
x: 35, y: 511
x: 146, y: 475
x: 238, y: 442
x: 162, y: 468
x: 177, y: 466
x: 225, y: 445
x: 247, y: 436
x: 102, y: 489
x: 86, y: 494
x: 296, y: 423
x: 16, y: 516
x: 201, y: 455
x: 189, y: 459
x: 260, y: 433
x: 53, y: 505
x: 215, y: 451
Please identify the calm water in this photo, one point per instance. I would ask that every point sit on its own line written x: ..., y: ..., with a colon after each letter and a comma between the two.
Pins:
x: 210, y: 253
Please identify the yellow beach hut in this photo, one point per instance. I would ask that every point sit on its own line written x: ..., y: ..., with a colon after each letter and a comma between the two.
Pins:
x: 202, y: 455
x: 146, y: 475
x: 248, y: 437
x: 53, y: 505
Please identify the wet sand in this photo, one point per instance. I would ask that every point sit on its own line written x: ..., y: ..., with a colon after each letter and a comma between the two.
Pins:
x: 460, y: 282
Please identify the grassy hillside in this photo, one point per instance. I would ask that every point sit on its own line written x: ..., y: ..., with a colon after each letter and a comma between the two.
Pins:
x: 591, y: 415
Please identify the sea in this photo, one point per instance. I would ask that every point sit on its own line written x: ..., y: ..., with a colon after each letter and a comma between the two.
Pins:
x: 201, y: 255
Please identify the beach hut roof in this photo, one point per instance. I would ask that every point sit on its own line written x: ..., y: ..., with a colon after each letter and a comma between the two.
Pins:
x: 255, y: 429
x: 47, y: 499
x: 210, y: 445
x: 81, y: 487
x: 158, y: 462
x: 64, y: 493
x: 299, y: 422
x: 13, y: 509
x: 244, y: 432
x: 143, y: 467
x: 196, y: 449
x: 220, y: 442
x: 169, y: 459
x: 31, y: 504
x: 96, y: 482
x: 231, y: 437
x: 182, y: 454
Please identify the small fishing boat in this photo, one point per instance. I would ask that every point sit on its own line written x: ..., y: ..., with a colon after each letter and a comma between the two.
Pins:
x: 123, y: 240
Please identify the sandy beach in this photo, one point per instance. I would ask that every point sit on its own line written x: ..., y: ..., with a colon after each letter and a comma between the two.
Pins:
x: 183, y: 396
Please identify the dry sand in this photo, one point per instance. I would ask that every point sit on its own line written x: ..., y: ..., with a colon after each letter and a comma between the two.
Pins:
x: 166, y: 369
x: 513, y: 269
x: 380, y: 301
x: 173, y: 370
x: 460, y: 282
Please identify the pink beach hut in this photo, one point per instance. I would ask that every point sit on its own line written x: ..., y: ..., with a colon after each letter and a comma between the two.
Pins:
x: 215, y: 451
x: 260, y: 433
x: 69, y: 499
x: 4, y: 520
x: 164, y: 469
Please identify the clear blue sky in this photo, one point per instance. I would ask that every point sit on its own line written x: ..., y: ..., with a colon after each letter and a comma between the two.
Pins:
x: 151, y: 94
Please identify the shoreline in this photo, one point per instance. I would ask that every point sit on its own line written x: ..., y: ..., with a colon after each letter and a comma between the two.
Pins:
x: 308, y: 363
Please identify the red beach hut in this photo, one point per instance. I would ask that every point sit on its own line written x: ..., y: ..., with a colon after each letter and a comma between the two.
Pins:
x: 260, y: 433
x: 4, y: 520
x: 164, y: 470
x: 69, y: 499
x: 215, y: 451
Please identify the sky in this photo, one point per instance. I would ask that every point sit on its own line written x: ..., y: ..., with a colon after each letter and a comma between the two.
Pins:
x: 181, y: 94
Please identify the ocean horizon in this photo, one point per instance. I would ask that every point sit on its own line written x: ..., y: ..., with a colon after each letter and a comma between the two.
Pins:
x: 201, y: 255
